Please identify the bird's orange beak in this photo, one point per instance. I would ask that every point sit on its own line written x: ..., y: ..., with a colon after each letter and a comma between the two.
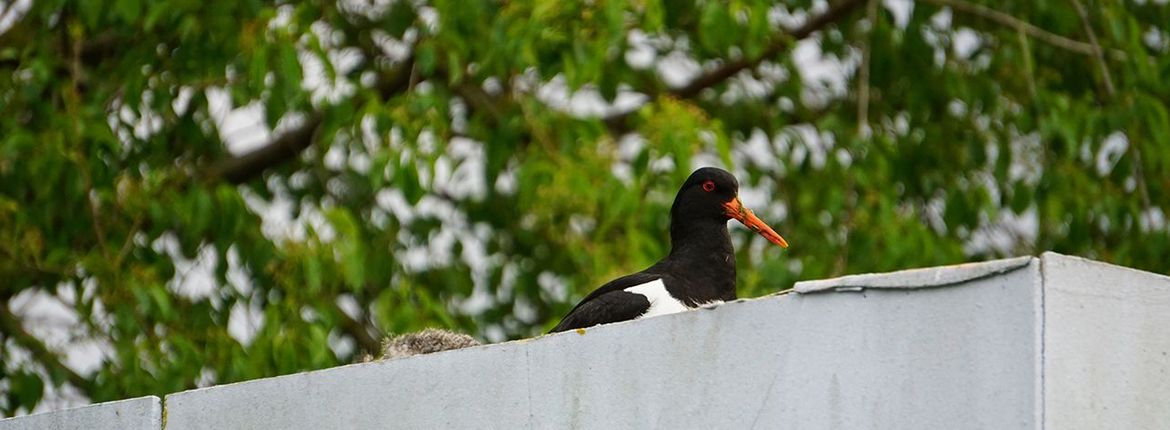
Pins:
x: 735, y: 209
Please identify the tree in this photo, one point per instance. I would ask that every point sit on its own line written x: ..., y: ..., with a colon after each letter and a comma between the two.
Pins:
x: 479, y: 165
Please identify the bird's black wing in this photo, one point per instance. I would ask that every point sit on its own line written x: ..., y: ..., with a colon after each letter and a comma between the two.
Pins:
x: 609, y: 304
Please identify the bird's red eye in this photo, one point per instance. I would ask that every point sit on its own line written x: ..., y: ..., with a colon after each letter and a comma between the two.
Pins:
x: 708, y: 186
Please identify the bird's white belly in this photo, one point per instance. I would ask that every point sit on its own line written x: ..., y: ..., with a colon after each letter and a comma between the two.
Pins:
x: 661, y: 302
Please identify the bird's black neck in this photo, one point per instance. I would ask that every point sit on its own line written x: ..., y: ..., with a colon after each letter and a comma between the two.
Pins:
x: 701, y: 253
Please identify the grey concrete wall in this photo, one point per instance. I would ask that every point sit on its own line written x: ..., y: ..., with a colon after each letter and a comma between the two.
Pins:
x: 1028, y: 343
x: 142, y: 413
x: 1106, y: 346
x: 922, y: 356
x: 957, y: 355
x: 484, y: 387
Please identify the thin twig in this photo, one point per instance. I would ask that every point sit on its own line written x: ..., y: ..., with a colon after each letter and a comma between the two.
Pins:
x: 1110, y: 95
x: 1140, y: 176
x: 71, y: 101
x: 1028, y: 65
x: 359, y: 330
x: 863, y: 79
x: 1038, y: 33
x: 127, y: 245
x: 846, y: 226
x: 1098, y: 54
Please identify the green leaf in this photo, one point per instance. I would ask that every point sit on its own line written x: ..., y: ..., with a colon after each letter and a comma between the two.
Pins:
x: 128, y: 9
x: 26, y: 388
x: 162, y: 302
x: 313, y: 274
x: 289, y: 69
x: 351, y: 246
x: 425, y: 58
x: 91, y: 12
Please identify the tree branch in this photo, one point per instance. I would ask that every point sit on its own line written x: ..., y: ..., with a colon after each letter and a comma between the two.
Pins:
x: 1035, y: 32
x: 12, y: 327
x: 480, y: 100
x: 359, y: 331
x: 242, y: 168
x: 618, y: 123
x: 781, y: 42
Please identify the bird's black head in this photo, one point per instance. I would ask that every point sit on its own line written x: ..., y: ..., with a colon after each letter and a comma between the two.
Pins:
x: 703, y: 195
x: 711, y: 195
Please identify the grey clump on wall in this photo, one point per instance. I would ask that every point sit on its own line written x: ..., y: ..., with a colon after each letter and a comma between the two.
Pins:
x: 424, y: 342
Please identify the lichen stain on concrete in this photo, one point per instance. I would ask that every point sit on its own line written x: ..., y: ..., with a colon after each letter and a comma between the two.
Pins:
x: 580, y: 331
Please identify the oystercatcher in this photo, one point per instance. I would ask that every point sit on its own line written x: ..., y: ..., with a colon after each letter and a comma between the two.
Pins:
x: 700, y: 269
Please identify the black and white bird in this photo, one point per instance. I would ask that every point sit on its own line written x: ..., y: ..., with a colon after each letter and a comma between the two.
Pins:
x: 700, y: 269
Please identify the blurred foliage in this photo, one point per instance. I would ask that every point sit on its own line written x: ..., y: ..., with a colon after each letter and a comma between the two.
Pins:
x: 479, y: 165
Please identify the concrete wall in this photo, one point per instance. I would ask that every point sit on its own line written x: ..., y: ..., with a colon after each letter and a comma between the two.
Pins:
x: 1052, y: 342
x: 143, y: 413
x: 1106, y: 346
